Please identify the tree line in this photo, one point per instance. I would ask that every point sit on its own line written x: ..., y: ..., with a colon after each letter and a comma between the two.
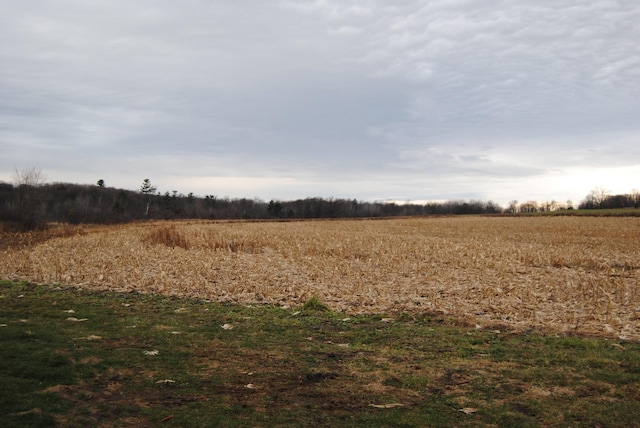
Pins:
x: 600, y: 198
x: 30, y: 202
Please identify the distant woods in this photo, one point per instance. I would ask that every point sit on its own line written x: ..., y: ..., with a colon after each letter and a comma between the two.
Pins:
x: 76, y: 203
x: 31, y: 203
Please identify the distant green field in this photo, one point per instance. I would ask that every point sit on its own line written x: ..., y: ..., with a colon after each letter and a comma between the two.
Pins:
x: 614, y: 212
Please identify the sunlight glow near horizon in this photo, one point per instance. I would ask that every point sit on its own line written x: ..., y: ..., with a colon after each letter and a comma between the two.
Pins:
x: 574, y: 184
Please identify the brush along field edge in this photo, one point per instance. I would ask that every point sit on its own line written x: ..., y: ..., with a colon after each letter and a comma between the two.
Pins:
x: 557, y: 274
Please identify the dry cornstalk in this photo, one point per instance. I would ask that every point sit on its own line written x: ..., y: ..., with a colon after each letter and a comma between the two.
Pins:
x: 562, y: 274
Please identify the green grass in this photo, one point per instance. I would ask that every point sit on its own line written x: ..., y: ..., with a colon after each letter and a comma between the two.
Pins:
x: 240, y: 366
x: 609, y: 212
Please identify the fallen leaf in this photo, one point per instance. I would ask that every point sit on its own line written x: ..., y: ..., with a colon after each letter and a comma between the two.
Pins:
x: 386, y: 320
x: 35, y: 411
x: 342, y: 345
x: 250, y: 386
x: 90, y: 337
x: 386, y: 406
x: 468, y: 410
x: 70, y: 311
x: 74, y: 319
x: 226, y: 326
x: 167, y: 419
x: 3, y: 325
x: 152, y: 353
x: 166, y: 381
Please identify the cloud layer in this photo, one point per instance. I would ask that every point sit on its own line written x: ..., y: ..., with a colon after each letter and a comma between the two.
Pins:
x: 372, y: 100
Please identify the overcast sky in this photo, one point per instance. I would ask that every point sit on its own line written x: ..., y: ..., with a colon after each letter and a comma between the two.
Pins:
x: 374, y: 100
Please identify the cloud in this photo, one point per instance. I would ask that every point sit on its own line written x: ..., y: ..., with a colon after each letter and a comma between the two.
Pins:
x: 369, y: 99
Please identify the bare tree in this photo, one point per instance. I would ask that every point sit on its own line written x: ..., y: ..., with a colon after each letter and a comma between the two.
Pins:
x: 32, y: 177
x: 597, y: 196
x: 635, y: 198
x: 28, y: 203
x: 529, y: 207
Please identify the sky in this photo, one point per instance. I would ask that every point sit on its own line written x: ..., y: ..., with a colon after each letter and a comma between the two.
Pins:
x: 369, y: 100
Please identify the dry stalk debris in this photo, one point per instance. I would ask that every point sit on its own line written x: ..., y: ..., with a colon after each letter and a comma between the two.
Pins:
x: 566, y: 275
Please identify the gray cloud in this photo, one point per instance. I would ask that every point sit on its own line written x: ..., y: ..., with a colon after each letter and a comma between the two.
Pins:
x: 410, y: 100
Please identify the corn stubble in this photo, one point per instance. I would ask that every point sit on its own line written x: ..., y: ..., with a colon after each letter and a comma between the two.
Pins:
x: 557, y: 274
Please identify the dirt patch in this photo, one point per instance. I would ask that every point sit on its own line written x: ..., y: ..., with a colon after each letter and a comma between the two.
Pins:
x: 109, y: 397
x: 272, y: 381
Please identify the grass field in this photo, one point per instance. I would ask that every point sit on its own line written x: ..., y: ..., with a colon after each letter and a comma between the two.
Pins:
x: 101, y: 359
x: 602, y: 212
x: 559, y: 275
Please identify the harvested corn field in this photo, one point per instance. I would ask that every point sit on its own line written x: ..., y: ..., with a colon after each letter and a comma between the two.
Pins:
x: 563, y: 275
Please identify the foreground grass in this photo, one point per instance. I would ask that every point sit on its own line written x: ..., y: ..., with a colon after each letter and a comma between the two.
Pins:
x: 76, y: 358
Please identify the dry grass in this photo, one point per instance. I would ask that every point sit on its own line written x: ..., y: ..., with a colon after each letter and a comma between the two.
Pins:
x: 558, y: 274
x: 166, y: 235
